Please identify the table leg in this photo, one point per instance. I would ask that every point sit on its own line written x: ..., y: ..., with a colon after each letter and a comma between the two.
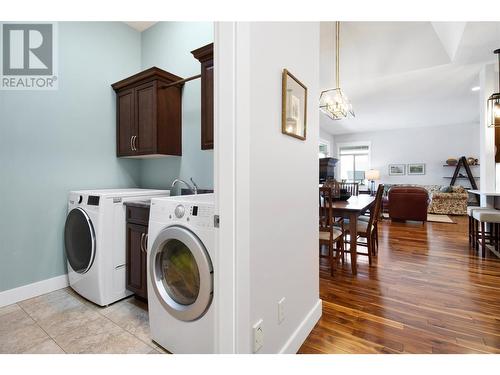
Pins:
x: 353, y: 230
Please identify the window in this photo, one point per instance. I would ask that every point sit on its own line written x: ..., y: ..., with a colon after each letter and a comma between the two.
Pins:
x: 354, y: 162
x: 324, y: 149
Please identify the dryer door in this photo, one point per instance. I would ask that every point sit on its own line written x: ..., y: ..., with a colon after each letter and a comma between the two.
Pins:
x: 181, y: 273
x: 79, y: 240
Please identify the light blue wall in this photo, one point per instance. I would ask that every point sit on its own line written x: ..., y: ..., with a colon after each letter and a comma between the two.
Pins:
x: 54, y: 141
x: 168, y: 46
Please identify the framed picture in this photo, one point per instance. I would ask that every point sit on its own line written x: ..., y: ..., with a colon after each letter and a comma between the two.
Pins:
x: 293, y: 106
x: 397, y: 169
x: 417, y: 168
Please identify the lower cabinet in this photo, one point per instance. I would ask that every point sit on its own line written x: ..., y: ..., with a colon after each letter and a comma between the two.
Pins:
x: 136, y: 242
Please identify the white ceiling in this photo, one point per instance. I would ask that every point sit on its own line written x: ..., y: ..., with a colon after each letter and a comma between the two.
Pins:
x: 408, y: 74
x: 140, y: 25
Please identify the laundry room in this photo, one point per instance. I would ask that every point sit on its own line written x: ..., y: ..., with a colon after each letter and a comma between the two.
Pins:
x: 124, y: 230
x: 71, y: 139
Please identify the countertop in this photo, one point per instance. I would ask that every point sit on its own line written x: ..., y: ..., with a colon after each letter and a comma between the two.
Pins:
x: 488, y: 193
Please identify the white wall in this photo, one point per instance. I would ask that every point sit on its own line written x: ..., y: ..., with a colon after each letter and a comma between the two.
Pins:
x: 324, y: 135
x: 283, y: 182
x: 273, y: 219
x: 431, y: 146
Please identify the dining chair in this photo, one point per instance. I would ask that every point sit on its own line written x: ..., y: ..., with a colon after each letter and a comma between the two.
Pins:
x: 331, y: 232
x: 368, y: 229
x: 351, y: 187
x: 378, y: 217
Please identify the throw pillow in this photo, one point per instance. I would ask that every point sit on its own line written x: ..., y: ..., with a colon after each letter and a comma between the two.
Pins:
x: 445, y: 189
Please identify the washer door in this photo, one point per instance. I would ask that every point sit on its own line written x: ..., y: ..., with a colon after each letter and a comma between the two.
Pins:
x: 79, y: 240
x: 181, y: 273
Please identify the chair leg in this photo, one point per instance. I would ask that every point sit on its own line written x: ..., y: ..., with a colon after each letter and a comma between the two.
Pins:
x: 492, y: 233
x: 483, y: 239
x: 476, y: 235
x: 495, y: 239
x: 343, y: 251
x: 470, y: 230
x: 332, y: 263
x: 340, y: 251
x: 369, y: 243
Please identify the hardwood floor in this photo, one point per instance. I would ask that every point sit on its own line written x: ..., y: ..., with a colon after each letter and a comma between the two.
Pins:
x: 426, y: 293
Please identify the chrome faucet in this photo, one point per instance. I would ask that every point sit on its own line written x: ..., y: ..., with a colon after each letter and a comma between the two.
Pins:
x: 194, y: 184
x: 193, y: 188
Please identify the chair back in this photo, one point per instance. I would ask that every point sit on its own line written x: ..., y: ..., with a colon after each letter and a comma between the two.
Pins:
x: 326, y: 198
x: 377, y: 207
x: 351, y: 187
x: 335, y: 186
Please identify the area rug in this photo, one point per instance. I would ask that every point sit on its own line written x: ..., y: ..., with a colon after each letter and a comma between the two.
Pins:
x: 440, y: 219
x: 432, y: 218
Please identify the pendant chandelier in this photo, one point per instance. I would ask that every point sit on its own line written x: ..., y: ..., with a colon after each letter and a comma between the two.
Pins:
x: 494, y: 101
x: 333, y: 102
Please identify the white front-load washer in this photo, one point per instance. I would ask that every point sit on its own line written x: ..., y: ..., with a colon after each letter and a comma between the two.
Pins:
x: 180, y: 268
x: 94, y: 240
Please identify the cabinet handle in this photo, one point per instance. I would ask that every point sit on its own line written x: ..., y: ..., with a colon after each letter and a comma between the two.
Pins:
x: 132, y: 143
x: 135, y: 142
x: 146, y: 236
x: 142, y: 242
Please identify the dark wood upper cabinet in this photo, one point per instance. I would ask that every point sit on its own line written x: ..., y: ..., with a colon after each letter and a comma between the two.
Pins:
x: 205, y: 55
x: 149, y: 116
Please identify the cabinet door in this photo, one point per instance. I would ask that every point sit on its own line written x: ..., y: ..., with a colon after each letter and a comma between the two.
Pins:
x: 145, y: 98
x: 207, y: 105
x: 136, y: 259
x: 126, y: 123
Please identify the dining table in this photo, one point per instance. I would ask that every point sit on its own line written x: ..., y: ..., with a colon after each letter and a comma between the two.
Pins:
x: 351, y: 209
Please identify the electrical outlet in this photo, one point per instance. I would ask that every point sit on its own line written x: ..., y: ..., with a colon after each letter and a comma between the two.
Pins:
x: 281, y: 310
x: 258, y: 336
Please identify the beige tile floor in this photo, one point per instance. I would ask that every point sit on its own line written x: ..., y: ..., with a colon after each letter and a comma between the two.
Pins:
x: 63, y: 322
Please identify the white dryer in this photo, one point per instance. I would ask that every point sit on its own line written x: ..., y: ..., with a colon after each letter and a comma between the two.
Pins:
x: 94, y: 239
x: 181, y: 258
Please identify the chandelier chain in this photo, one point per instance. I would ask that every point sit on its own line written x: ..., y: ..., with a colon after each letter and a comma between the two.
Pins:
x: 337, y: 54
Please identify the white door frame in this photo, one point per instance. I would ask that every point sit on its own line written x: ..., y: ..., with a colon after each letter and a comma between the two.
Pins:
x: 231, y: 177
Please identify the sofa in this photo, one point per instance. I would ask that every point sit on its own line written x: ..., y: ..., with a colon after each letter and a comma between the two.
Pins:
x: 450, y: 203
x: 408, y: 203
x: 453, y: 202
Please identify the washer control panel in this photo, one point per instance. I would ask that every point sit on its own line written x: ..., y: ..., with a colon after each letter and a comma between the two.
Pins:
x: 201, y: 211
x: 197, y: 214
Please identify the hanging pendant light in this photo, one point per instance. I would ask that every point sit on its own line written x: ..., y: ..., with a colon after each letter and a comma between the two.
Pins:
x: 333, y: 102
x: 494, y: 101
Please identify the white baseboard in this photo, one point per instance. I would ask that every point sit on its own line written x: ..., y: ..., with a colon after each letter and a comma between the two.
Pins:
x: 294, y: 343
x: 8, y: 297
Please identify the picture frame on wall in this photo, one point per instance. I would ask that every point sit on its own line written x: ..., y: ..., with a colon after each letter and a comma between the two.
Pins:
x: 416, y: 169
x: 397, y: 169
x: 293, y: 106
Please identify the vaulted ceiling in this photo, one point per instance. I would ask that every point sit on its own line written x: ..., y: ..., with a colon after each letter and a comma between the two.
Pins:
x: 407, y: 74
